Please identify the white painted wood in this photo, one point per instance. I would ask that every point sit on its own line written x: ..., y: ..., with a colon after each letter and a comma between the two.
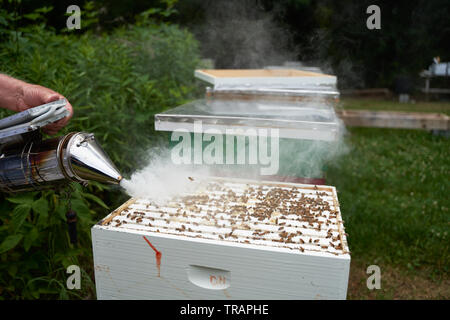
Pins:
x: 197, y: 264
x: 261, y: 78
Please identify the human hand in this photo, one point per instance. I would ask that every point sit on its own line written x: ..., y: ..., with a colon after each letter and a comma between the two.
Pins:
x: 18, y: 96
x: 35, y: 95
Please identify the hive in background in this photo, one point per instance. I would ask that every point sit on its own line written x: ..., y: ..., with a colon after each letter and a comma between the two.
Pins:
x: 299, y: 104
x: 228, y: 239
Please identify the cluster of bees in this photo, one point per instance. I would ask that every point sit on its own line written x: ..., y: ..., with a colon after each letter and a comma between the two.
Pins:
x: 266, y: 215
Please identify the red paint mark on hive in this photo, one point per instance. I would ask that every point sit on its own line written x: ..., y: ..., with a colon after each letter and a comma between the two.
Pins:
x: 158, y: 255
x: 217, y: 280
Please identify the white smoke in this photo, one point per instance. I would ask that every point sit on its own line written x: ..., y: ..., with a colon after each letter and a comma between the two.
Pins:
x: 161, y: 180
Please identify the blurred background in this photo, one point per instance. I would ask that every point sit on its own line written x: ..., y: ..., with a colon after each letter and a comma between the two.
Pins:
x: 132, y: 59
x: 251, y: 34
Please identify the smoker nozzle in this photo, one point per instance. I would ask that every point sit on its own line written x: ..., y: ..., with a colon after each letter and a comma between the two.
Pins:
x: 85, y: 160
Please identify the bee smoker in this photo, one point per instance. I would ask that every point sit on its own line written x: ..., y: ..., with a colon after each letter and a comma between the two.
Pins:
x: 39, y: 164
x: 28, y: 163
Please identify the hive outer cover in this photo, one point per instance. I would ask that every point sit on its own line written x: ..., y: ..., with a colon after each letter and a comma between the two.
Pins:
x: 263, y: 78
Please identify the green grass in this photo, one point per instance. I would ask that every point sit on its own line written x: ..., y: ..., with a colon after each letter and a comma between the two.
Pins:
x: 393, y: 187
x: 394, y: 105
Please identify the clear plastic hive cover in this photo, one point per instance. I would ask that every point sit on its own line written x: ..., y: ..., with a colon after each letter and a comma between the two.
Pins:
x: 306, y: 91
x: 314, y: 120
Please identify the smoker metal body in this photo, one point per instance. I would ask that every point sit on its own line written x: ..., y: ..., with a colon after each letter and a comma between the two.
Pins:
x: 44, y: 164
x: 29, y: 163
x: 225, y: 240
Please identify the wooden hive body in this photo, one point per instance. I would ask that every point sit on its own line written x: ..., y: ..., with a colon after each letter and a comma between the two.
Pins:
x: 230, y: 239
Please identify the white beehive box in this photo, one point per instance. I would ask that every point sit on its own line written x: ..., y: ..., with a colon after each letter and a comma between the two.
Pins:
x: 264, y: 78
x: 230, y: 239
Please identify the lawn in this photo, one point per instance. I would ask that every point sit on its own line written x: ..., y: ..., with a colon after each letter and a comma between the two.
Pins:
x: 393, y: 188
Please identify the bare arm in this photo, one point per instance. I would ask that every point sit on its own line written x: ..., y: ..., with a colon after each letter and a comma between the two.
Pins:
x: 18, y: 96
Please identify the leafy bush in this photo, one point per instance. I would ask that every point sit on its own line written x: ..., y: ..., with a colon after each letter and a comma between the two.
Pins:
x: 116, y: 83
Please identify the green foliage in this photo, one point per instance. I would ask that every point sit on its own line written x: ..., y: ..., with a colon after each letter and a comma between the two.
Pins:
x: 116, y: 83
x: 144, y: 17
x: 12, y: 25
x: 35, y: 245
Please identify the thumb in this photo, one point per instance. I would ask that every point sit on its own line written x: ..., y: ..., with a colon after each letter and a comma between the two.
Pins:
x: 51, y: 96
